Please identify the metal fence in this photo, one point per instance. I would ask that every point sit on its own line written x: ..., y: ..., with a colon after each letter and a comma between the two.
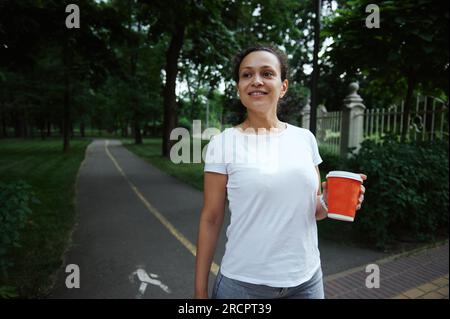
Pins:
x: 428, y: 120
x: 329, y: 131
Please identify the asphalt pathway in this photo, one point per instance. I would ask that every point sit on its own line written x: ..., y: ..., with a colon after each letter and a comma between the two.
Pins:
x: 136, y: 232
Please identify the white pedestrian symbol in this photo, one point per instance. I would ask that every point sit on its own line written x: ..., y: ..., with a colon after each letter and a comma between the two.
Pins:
x: 146, y: 279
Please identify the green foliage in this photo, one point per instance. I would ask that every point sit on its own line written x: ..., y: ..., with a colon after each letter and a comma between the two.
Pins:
x: 14, y: 211
x: 411, y: 42
x: 407, y: 189
x: 331, y: 161
x: 291, y: 105
x: 44, y: 239
x: 8, y: 292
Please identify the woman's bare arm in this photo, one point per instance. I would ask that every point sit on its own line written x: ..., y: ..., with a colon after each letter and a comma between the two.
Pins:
x: 211, y: 220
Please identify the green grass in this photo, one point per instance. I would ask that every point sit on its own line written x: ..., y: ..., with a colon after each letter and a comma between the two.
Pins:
x: 52, y: 176
x: 150, y: 150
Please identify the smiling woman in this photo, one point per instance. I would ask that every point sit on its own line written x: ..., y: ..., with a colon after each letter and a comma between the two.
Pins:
x: 260, y: 73
x: 272, y: 182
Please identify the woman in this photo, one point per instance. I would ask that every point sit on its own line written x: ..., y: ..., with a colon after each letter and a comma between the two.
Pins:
x: 269, y: 172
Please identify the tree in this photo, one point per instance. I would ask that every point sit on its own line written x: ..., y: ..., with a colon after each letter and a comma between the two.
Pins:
x: 48, y: 58
x: 410, y: 48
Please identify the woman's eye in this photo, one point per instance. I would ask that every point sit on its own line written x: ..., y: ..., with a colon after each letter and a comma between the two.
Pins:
x: 268, y: 74
x: 246, y: 75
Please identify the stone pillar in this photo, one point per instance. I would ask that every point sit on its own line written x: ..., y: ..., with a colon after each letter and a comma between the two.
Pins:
x: 306, y: 113
x: 352, y: 128
x: 321, y: 132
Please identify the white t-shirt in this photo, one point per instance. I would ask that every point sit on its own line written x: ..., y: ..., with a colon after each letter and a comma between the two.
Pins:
x: 272, y: 192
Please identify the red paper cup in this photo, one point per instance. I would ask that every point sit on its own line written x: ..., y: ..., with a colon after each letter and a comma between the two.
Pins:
x: 343, y: 189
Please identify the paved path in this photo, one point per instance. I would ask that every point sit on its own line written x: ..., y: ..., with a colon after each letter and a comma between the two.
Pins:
x: 423, y: 274
x: 117, y: 234
x: 137, y: 227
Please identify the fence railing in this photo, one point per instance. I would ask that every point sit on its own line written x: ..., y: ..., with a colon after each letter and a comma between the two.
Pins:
x: 340, y: 131
x: 329, y: 131
x: 427, y: 120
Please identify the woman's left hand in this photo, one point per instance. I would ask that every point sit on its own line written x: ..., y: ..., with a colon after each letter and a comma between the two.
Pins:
x: 361, y: 192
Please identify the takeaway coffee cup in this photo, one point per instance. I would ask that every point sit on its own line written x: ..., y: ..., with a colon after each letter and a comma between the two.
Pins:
x: 343, y: 192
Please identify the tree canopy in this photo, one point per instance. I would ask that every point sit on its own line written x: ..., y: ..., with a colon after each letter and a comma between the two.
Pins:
x: 145, y: 67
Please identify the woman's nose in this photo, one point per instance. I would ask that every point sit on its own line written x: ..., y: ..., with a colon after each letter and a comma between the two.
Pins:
x: 257, y: 81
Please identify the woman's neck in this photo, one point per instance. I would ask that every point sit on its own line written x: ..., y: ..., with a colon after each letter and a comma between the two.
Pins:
x: 262, y: 122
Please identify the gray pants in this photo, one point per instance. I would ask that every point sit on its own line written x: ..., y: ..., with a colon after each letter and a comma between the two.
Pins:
x: 227, y: 288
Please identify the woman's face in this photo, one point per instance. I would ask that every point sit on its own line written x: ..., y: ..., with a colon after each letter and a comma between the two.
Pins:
x: 260, y: 84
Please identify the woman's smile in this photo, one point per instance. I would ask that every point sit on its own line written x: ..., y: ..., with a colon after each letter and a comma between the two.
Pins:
x: 257, y: 94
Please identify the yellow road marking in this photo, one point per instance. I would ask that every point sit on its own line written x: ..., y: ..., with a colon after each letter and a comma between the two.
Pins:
x: 175, y: 232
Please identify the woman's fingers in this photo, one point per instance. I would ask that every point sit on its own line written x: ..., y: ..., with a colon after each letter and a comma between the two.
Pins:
x: 360, y: 201
x: 363, y: 190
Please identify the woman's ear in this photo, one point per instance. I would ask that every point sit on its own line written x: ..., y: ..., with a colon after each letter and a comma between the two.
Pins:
x: 284, y: 88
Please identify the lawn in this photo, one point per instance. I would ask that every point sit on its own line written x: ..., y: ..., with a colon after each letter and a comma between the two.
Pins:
x: 52, y: 176
x: 150, y: 150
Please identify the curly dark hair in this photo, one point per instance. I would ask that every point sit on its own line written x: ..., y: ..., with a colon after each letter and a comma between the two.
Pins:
x: 282, y: 59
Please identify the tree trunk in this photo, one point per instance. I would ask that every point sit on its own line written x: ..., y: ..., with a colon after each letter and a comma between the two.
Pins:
x: 82, y: 127
x: 49, y: 129
x: 315, y: 74
x: 28, y: 125
x: 17, y: 119
x: 192, y: 95
x: 170, y: 104
x: 66, y: 113
x: 407, y: 106
x: 137, y: 132
x: 24, y: 124
x: 133, y: 66
x: 42, y: 129
x: 72, y: 130
x: 124, y: 128
x: 2, y: 122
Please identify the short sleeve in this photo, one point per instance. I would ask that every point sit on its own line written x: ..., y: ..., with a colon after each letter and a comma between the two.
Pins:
x: 315, y: 150
x: 214, y: 158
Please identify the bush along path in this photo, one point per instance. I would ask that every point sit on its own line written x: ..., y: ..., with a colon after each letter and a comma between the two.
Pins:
x: 408, y: 191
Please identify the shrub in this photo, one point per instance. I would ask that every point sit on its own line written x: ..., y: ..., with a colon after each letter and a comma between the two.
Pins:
x: 331, y: 161
x: 407, y: 189
x: 14, y: 211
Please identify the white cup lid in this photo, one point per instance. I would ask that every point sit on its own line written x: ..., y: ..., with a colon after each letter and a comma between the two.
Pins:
x: 345, y: 174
